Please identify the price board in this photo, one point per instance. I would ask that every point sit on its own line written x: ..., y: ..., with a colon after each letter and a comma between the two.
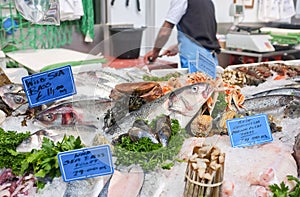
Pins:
x: 49, y: 86
x: 85, y: 163
x: 249, y: 130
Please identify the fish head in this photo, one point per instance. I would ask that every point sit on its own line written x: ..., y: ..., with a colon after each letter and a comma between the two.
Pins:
x: 35, y: 140
x: 10, y: 88
x: 14, y: 100
x: 59, y: 115
x: 188, y: 100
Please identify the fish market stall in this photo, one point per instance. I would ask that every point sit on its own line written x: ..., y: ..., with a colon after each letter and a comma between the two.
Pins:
x: 168, y: 133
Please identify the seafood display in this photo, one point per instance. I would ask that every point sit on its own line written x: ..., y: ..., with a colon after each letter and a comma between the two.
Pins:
x: 259, y: 73
x: 111, y: 104
x: 182, y: 104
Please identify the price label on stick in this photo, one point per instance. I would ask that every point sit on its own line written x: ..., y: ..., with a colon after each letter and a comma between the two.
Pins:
x: 249, y: 130
x: 85, y: 163
x: 49, y: 86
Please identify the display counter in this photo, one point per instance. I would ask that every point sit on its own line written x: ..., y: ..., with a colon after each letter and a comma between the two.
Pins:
x: 231, y: 57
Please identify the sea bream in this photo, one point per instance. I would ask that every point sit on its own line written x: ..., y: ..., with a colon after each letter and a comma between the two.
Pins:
x: 88, y: 112
x: 181, y: 104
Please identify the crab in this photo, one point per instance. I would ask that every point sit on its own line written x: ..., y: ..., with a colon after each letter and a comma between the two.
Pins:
x: 136, y: 93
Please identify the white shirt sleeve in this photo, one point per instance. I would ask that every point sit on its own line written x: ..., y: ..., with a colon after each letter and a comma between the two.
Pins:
x: 176, y: 11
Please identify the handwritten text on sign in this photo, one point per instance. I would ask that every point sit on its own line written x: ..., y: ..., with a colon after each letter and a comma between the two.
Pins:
x: 249, y: 130
x: 48, y: 86
x: 85, y: 163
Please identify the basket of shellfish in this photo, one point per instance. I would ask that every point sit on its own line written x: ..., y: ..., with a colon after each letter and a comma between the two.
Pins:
x: 204, y: 172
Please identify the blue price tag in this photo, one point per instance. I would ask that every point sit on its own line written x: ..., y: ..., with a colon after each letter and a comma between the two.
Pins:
x: 203, y: 64
x: 85, y: 163
x: 49, y: 86
x: 249, y: 130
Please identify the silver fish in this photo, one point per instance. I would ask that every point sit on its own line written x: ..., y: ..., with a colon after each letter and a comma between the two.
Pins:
x: 56, y: 134
x: 11, y: 88
x: 278, y: 106
x: 181, y: 104
x: 14, y: 100
x: 112, y: 76
x: 136, y: 133
x: 88, y: 187
x: 279, y: 91
x: 296, y: 152
x: 87, y: 112
x: 163, y: 129
x: 34, y: 141
x: 140, y: 129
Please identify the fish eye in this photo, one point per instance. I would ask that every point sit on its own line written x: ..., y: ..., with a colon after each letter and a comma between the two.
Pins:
x: 49, y: 117
x: 11, y: 87
x: 195, y: 88
x: 19, y: 99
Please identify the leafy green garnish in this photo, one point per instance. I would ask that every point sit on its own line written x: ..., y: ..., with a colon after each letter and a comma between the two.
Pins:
x: 42, y: 163
x: 283, y: 191
x: 147, y: 154
x: 164, y: 78
x: 220, y: 105
x: 9, y: 140
x: 279, y: 190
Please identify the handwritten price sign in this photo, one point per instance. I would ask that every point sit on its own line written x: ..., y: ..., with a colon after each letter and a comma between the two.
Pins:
x: 249, y: 130
x: 85, y: 163
x: 49, y: 86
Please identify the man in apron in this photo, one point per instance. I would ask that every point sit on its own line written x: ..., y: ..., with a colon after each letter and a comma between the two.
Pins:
x: 197, y: 42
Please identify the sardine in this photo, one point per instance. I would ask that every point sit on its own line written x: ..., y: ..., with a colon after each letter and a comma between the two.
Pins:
x: 275, y: 105
x: 181, y: 104
x: 296, y: 152
x: 87, y: 112
x: 163, y: 129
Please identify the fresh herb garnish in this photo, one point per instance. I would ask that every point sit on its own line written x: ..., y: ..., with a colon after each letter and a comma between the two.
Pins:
x: 283, y: 190
x: 9, y: 140
x: 163, y: 78
x: 147, y: 154
x: 42, y: 163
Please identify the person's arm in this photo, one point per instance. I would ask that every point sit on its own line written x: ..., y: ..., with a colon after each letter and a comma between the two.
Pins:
x: 161, y: 39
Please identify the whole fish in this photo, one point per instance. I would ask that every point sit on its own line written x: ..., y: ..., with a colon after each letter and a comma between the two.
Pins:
x: 276, y: 105
x: 56, y: 134
x: 181, y: 104
x: 279, y: 91
x: 88, y: 112
x: 296, y: 153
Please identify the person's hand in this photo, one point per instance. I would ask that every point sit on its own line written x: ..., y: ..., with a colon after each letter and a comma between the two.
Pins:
x: 150, y: 57
x: 171, y: 51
